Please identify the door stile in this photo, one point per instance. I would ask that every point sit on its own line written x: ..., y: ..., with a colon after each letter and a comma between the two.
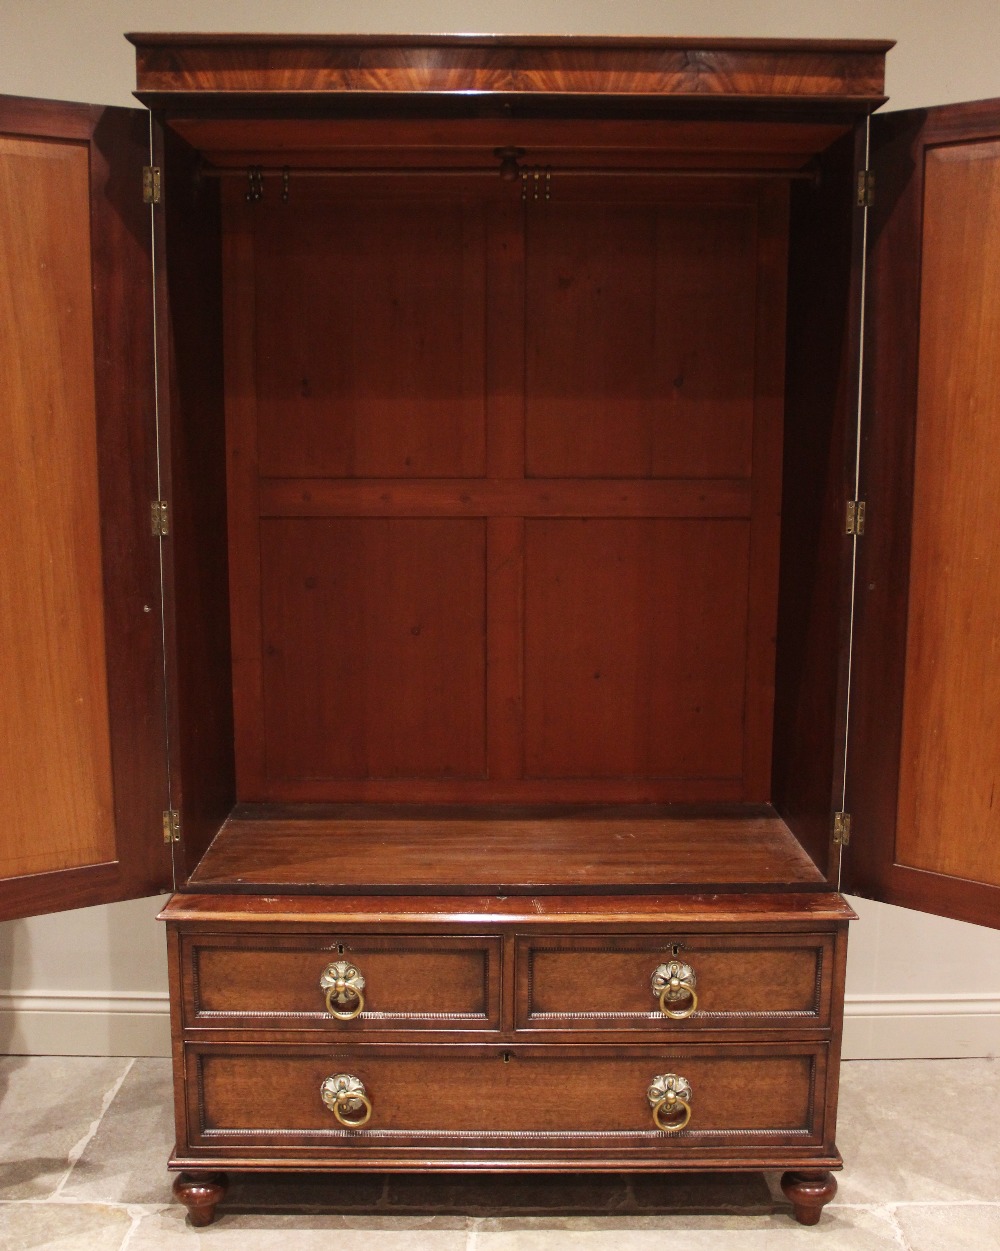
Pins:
x: 161, y: 526
x: 855, y: 508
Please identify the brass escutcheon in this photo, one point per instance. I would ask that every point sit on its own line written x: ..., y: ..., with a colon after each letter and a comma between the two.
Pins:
x: 671, y: 1094
x: 672, y: 983
x: 345, y: 1094
x: 343, y: 983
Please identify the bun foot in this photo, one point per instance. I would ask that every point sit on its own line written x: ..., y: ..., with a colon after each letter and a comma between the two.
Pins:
x: 200, y: 1192
x: 808, y: 1191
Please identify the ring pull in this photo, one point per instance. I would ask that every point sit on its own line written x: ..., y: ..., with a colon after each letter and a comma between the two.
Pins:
x: 670, y: 1100
x: 344, y: 986
x: 675, y: 983
x: 346, y: 1097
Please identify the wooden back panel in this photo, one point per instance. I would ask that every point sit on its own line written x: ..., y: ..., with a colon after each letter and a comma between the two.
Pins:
x: 504, y: 490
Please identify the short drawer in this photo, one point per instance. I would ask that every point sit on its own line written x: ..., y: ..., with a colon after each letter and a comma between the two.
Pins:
x: 399, y: 982
x: 588, y: 1098
x: 613, y: 983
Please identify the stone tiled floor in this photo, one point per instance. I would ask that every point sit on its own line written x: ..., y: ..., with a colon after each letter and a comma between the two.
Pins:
x: 83, y: 1144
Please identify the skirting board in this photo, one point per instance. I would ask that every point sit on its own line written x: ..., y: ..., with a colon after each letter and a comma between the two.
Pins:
x: 921, y: 1027
x: 84, y: 1023
x: 876, y: 1027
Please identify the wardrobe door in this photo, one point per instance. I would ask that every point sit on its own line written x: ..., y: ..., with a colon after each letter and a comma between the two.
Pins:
x: 924, y: 751
x: 82, y: 741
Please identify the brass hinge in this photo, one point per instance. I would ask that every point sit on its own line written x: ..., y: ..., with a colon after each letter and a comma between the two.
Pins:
x: 855, y: 517
x: 841, y: 828
x: 866, y: 188
x: 171, y: 826
x: 159, y: 519
x: 152, y: 184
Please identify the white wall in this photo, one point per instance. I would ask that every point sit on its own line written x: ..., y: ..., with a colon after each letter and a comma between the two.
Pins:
x: 94, y: 981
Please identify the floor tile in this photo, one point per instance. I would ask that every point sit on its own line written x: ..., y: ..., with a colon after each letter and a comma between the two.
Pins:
x: 306, y: 1231
x: 62, y: 1227
x: 963, y: 1227
x: 919, y: 1130
x: 126, y: 1160
x: 847, y: 1229
x: 48, y: 1105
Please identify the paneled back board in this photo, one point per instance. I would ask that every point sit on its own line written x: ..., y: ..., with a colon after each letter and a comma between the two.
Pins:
x: 505, y: 488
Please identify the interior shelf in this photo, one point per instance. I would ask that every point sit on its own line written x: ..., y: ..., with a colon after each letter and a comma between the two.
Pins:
x: 404, y: 850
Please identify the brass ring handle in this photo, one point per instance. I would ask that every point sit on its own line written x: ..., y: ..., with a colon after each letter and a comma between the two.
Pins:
x: 335, y: 1011
x: 673, y: 983
x: 344, y: 1094
x: 357, y: 1096
x: 672, y: 1092
x: 672, y: 1102
x: 685, y: 1012
x: 343, y: 982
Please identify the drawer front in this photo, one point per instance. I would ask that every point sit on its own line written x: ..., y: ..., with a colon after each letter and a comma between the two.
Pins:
x: 763, y: 981
x: 256, y: 981
x: 573, y: 1098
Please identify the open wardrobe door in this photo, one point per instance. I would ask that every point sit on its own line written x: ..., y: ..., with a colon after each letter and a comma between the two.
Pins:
x: 82, y: 728
x: 924, y: 748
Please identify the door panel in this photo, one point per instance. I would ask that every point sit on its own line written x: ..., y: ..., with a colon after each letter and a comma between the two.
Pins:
x: 924, y: 771
x: 82, y: 750
x: 52, y: 708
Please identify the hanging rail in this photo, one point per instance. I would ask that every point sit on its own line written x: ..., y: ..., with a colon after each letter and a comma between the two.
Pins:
x: 509, y: 168
x: 556, y: 171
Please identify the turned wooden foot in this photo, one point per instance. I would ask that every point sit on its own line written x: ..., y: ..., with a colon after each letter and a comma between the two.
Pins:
x: 808, y: 1190
x: 200, y: 1192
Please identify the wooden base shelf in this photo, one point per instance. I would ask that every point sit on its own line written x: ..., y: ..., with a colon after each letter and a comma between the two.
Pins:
x: 389, y: 850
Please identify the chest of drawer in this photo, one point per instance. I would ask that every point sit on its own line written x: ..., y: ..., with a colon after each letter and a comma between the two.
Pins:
x: 344, y: 983
x: 372, y: 1098
x: 674, y: 983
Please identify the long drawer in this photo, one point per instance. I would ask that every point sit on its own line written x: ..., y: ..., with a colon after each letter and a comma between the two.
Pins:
x: 569, y: 1098
x: 616, y: 982
x: 388, y: 982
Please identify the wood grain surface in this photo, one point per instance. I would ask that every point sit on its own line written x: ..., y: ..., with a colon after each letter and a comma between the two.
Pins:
x: 928, y: 404
x: 235, y: 143
x: 950, y: 754
x: 241, y: 981
x: 82, y: 745
x: 820, y: 444
x: 565, y: 1098
x: 787, y: 69
x: 582, y: 982
x: 648, y: 913
x: 55, y: 711
x: 558, y: 853
x: 599, y: 378
x: 193, y: 474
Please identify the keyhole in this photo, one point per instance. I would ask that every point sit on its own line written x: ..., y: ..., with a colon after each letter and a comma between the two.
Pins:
x: 506, y: 1057
x: 676, y: 949
x: 340, y: 949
